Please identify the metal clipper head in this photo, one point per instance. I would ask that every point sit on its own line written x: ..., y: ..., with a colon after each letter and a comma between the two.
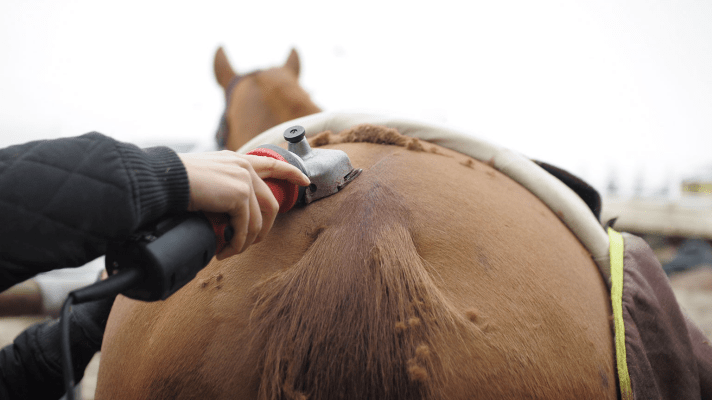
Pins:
x: 329, y: 170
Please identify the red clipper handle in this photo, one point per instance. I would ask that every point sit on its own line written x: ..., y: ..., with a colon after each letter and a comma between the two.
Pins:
x: 285, y: 192
x: 222, y: 228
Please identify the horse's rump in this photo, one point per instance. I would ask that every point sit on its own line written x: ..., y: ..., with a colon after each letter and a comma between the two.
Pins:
x: 432, y: 275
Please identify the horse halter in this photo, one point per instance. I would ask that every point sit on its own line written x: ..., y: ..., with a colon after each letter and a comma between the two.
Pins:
x: 223, y: 129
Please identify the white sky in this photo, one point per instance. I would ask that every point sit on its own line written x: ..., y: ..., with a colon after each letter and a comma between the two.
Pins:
x: 592, y: 86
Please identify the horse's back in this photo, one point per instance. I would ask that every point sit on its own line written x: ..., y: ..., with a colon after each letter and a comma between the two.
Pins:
x: 430, y: 276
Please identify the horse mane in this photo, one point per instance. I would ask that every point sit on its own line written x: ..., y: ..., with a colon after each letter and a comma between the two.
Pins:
x: 359, y: 316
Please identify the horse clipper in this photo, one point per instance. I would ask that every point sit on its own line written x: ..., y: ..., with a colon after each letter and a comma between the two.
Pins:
x: 199, y: 236
x: 328, y: 170
x: 285, y: 192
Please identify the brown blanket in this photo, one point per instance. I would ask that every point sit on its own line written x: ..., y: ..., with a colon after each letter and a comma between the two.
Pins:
x: 668, y: 355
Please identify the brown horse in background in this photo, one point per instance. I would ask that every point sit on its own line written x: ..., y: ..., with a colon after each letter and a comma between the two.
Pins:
x: 431, y: 276
x: 260, y: 100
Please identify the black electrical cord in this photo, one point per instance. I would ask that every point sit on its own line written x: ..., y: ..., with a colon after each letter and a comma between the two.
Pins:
x: 113, y: 285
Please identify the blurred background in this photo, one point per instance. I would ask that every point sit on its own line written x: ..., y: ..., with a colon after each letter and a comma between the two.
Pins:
x: 614, y: 91
x: 619, y: 93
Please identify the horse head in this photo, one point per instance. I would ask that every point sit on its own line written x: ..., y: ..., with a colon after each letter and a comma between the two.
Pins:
x: 259, y: 100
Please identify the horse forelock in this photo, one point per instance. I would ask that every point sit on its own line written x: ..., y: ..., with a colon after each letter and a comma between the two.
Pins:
x: 359, y: 315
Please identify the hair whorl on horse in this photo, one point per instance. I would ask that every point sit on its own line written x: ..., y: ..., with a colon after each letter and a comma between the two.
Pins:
x: 359, y: 316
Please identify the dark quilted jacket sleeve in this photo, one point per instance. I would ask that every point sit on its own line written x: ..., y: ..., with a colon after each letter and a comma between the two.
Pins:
x: 61, y: 200
x: 31, y: 367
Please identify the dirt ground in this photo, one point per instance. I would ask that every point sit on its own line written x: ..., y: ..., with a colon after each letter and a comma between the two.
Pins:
x: 693, y: 290
x: 698, y: 306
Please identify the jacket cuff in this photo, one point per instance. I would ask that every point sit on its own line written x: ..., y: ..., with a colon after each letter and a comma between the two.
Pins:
x: 161, y: 181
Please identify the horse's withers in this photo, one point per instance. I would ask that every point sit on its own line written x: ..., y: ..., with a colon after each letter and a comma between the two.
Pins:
x: 431, y: 276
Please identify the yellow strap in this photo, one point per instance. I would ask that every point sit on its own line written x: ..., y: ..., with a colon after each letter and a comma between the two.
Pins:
x: 616, y: 253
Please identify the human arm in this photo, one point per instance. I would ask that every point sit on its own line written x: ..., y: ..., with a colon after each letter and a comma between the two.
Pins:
x: 61, y: 200
x: 31, y: 367
x: 229, y: 183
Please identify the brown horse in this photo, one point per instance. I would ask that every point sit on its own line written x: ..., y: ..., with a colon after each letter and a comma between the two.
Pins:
x: 260, y: 100
x: 432, y: 275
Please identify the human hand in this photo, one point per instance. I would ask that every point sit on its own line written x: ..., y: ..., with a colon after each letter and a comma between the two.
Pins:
x: 227, y: 182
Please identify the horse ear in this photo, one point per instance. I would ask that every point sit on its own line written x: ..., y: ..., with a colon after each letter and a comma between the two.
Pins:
x: 223, y: 70
x: 293, y: 62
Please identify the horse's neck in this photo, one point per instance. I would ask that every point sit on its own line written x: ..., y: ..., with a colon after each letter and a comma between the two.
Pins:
x: 253, y: 118
x: 431, y: 275
x: 262, y: 105
x: 448, y: 280
x: 294, y: 105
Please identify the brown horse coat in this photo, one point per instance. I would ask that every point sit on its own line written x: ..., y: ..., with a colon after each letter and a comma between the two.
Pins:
x: 432, y: 275
x: 668, y: 356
